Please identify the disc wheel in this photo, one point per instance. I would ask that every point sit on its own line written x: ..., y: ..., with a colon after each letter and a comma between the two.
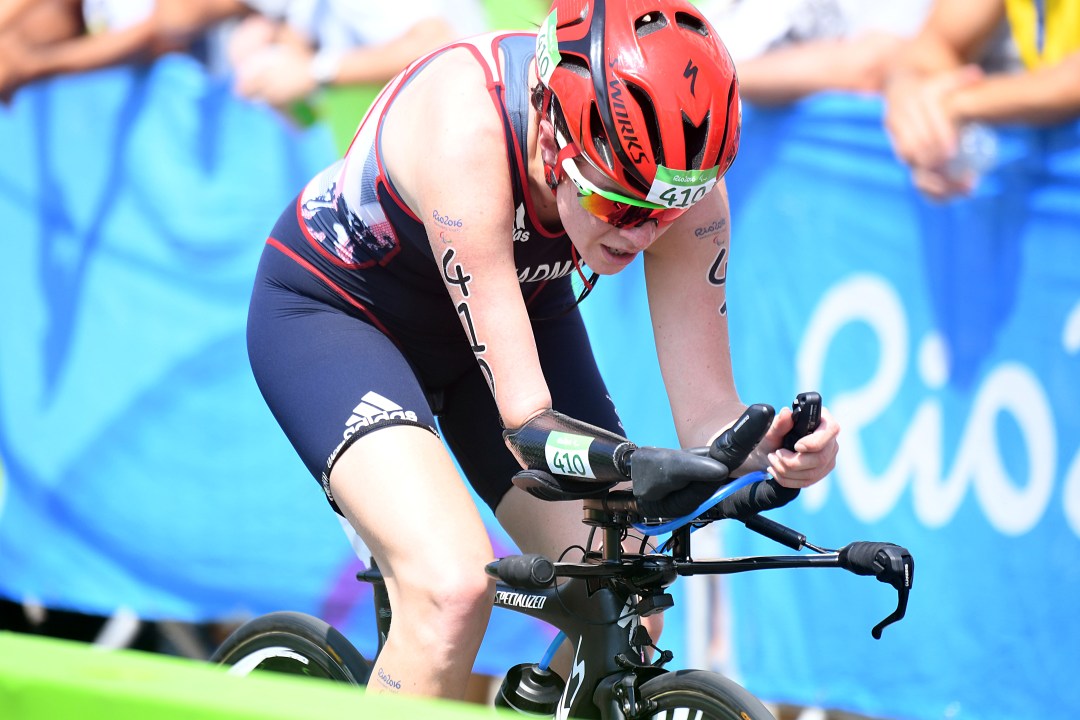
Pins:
x: 292, y: 643
x: 697, y: 695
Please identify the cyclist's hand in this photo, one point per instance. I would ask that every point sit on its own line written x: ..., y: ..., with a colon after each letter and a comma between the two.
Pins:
x: 814, y: 456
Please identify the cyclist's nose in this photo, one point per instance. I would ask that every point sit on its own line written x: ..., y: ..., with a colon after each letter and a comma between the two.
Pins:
x: 641, y: 237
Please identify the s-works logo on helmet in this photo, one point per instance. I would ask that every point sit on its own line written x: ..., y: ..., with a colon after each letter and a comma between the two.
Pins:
x: 622, y: 120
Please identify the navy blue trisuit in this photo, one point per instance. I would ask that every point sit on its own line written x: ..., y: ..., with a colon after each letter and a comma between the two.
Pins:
x: 351, y: 327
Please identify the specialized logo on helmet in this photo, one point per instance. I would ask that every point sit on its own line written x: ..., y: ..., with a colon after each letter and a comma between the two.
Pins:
x: 691, y: 74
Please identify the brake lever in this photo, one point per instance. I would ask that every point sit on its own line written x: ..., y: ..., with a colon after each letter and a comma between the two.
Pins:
x: 898, y: 569
x: 890, y: 564
x: 896, y: 615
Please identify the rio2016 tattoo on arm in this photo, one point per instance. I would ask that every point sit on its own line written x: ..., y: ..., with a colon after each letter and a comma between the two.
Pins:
x: 448, y: 226
x: 456, y: 276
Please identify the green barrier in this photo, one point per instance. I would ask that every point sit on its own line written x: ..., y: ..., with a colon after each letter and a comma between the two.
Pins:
x: 46, y: 679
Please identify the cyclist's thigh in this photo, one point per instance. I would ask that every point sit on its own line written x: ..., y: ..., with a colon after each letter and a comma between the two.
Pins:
x: 402, y: 492
x: 351, y: 405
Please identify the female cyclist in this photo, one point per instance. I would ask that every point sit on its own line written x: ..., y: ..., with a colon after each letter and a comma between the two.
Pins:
x: 428, y: 274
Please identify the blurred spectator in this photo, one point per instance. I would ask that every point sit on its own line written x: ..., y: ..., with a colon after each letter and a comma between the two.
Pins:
x: 787, y: 49
x: 342, y: 42
x: 43, y: 38
x: 935, y: 89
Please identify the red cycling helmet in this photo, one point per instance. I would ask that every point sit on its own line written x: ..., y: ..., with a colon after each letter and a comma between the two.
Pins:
x: 648, y: 93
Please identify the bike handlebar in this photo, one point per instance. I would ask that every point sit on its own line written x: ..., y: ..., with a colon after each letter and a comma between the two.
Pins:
x: 681, y: 484
x: 526, y: 572
x: 675, y: 483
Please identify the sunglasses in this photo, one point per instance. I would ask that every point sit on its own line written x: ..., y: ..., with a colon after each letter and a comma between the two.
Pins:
x: 614, y: 208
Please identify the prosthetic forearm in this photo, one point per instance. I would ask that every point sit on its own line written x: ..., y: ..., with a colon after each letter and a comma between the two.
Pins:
x: 566, y: 447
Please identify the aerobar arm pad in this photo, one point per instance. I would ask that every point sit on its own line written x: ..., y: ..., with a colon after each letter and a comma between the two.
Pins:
x: 567, y: 448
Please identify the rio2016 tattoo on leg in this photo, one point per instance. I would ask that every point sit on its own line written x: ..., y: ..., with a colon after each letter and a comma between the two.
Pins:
x: 455, y: 276
x: 388, y: 681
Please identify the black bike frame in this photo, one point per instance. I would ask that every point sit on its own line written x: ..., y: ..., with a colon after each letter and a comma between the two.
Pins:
x: 599, y: 608
x: 600, y: 601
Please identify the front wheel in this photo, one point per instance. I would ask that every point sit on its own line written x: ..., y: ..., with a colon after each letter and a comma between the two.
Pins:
x: 293, y: 643
x: 697, y: 695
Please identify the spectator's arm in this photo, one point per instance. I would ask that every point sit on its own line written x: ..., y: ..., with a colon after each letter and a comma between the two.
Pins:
x: 930, y: 70
x: 11, y: 11
x: 1044, y: 96
x: 285, y: 71
x: 380, y: 62
x: 177, y: 22
x: 955, y: 33
x: 789, y: 73
x: 85, y: 52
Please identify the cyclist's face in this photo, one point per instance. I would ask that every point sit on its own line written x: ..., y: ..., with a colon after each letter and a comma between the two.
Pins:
x: 605, y: 248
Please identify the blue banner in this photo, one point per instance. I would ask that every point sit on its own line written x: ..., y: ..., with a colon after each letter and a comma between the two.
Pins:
x: 141, y: 467
x: 946, y: 340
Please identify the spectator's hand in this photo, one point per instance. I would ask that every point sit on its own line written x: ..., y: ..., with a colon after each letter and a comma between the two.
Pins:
x: 918, y: 119
x: 814, y: 456
x: 277, y: 75
x: 940, y: 184
x: 866, y: 60
x: 11, y: 75
x: 253, y: 35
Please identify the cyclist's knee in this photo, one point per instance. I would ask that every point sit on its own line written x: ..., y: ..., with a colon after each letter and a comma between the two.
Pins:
x: 448, y: 606
x: 454, y: 591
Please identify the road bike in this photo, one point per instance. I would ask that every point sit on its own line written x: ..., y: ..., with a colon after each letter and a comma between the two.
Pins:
x: 597, y: 600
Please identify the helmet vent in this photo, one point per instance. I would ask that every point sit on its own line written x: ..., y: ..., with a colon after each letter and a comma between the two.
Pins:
x: 696, y: 138
x: 692, y: 23
x: 576, y: 65
x: 649, y: 23
x: 599, y: 137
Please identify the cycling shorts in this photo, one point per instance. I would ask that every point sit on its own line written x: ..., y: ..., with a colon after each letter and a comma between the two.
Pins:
x: 332, y: 371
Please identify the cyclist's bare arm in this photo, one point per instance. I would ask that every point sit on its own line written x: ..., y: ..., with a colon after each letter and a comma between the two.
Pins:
x: 457, y: 188
x: 686, y: 274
